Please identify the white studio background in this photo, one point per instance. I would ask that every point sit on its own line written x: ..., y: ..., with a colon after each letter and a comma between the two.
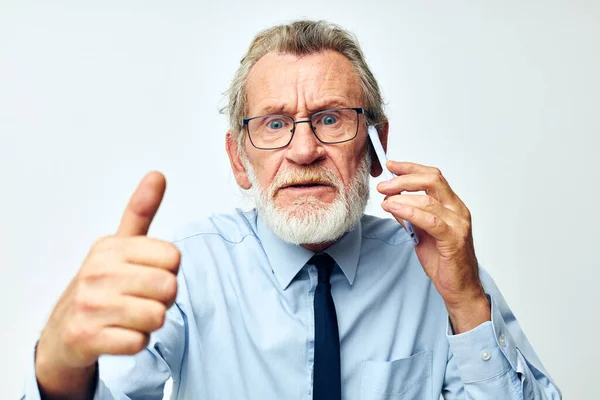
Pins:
x: 501, y: 96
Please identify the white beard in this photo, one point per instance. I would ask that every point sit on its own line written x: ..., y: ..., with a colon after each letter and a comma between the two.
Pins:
x: 309, y: 220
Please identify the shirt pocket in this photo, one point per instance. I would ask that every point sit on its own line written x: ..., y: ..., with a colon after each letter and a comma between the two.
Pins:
x: 406, y: 378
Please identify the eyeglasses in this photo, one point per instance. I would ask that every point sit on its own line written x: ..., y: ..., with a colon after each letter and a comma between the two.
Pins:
x: 275, y: 131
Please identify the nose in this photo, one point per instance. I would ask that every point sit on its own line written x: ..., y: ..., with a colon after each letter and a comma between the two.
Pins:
x: 304, y: 148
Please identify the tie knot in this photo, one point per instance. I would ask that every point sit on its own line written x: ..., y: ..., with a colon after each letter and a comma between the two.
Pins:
x: 324, y: 264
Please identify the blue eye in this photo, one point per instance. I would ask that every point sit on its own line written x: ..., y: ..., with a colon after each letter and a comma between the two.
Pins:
x: 329, y: 119
x: 276, y: 124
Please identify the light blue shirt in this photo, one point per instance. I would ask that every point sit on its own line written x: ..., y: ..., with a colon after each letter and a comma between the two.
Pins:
x: 242, y: 326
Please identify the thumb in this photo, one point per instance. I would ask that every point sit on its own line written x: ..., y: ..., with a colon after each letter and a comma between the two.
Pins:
x: 143, y: 205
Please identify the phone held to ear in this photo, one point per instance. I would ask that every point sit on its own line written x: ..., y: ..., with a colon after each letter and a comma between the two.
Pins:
x: 387, y: 174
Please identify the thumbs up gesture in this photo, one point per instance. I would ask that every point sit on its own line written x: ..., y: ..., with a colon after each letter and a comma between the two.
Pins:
x: 119, y: 296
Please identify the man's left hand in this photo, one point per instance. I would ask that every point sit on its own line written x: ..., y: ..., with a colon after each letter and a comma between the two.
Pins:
x: 443, y: 224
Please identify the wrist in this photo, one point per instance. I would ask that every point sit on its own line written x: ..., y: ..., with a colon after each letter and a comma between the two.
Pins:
x: 469, y: 314
x: 59, y: 381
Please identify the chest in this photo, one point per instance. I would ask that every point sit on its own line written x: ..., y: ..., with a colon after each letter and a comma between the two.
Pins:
x: 391, y: 322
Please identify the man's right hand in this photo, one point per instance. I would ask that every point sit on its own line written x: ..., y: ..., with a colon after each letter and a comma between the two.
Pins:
x: 119, y: 296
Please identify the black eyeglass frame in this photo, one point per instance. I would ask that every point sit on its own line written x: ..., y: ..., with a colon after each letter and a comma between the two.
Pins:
x: 358, y: 110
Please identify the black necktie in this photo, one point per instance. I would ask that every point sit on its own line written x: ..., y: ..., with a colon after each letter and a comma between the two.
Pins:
x: 327, y: 382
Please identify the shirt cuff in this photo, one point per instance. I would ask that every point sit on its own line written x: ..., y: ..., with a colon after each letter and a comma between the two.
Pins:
x: 484, y: 352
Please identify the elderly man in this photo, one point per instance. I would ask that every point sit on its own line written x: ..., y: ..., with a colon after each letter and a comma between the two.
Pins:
x: 304, y: 297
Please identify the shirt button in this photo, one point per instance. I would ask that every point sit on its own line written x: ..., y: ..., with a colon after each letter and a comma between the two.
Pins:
x: 485, y: 355
x: 502, y: 341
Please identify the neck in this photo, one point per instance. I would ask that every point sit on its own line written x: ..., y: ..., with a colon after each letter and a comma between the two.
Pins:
x: 317, y: 247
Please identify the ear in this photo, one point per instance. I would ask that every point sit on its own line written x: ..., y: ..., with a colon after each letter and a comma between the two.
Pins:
x: 237, y: 166
x: 376, y: 168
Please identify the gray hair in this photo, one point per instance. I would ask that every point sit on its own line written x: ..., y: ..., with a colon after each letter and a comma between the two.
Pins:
x: 302, y: 38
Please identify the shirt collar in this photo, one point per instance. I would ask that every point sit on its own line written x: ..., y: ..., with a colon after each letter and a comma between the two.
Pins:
x: 346, y: 252
x: 288, y: 259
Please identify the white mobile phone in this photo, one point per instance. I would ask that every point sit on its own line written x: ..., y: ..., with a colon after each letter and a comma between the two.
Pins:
x: 387, y: 174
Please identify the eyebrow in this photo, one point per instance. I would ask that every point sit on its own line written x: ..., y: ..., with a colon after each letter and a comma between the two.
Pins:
x: 334, y: 103
x: 325, y: 105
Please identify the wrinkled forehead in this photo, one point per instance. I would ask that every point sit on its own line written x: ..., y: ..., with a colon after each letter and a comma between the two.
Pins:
x: 286, y: 82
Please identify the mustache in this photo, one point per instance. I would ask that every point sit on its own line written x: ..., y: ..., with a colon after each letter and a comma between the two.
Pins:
x: 309, y: 174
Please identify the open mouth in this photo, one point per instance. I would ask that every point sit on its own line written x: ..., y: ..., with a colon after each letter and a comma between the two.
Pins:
x: 305, y: 188
x: 305, y: 185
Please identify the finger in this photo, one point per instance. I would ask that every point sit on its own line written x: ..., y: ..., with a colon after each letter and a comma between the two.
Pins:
x: 143, y: 205
x: 150, y: 283
x: 151, y: 252
x: 140, y: 250
x: 423, y: 202
x: 428, y: 222
x: 404, y: 167
x: 432, y: 184
x: 119, y: 341
x: 144, y: 315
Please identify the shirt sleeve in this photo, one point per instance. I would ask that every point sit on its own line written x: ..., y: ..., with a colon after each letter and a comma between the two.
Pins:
x: 495, y: 359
